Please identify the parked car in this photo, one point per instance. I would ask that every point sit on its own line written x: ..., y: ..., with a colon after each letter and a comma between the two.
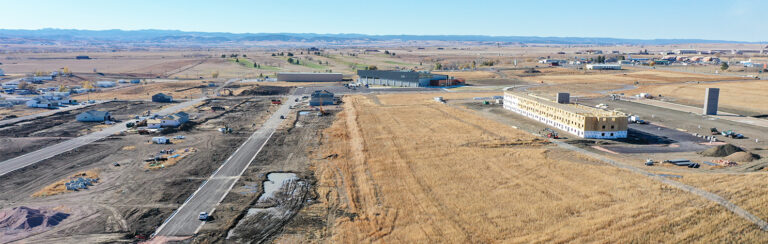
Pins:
x: 203, y: 216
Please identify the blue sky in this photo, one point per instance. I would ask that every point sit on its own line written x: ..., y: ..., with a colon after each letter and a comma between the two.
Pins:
x: 740, y: 20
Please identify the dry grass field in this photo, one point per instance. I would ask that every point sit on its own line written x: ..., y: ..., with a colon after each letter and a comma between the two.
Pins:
x: 742, y: 95
x: 471, y: 75
x: 741, y: 189
x: 625, y: 78
x: 177, y: 89
x: 407, y: 169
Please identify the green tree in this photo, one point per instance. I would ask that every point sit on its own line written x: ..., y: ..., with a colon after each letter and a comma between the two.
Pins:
x: 372, y: 67
x: 223, y: 56
x: 724, y: 66
x: 438, y: 66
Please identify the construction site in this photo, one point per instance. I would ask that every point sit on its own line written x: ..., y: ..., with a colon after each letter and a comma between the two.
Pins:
x: 397, y: 142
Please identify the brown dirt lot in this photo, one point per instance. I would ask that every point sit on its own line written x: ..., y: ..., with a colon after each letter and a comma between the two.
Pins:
x: 412, y: 170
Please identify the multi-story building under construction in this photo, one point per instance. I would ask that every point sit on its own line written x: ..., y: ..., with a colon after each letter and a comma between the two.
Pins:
x: 579, y: 120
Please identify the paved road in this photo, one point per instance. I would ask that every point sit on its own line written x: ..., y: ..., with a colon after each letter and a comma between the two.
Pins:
x: 697, y: 110
x: 184, y: 222
x: 46, y: 113
x: 28, y: 159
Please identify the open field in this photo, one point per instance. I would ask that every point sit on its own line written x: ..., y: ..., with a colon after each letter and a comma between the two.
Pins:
x: 625, y: 78
x: 177, y: 89
x: 412, y: 170
x: 741, y: 96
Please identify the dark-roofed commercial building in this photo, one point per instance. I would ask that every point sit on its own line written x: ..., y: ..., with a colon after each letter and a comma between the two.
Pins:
x: 93, y: 116
x: 401, y: 78
x: 162, y: 98
x: 309, y: 77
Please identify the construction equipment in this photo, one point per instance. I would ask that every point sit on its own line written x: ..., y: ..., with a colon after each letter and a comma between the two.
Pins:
x: 714, y: 131
x: 550, y: 133
x: 636, y: 119
x: 732, y: 134
x: 649, y: 162
x: 323, y: 112
x: 87, y: 85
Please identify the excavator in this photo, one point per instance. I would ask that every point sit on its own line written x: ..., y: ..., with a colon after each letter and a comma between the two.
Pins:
x: 550, y: 133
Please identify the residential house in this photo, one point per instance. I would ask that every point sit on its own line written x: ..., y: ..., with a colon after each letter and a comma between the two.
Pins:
x: 173, y: 120
x: 40, y: 102
x: 162, y: 98
x: 93, y: 116
x: 321, y: 98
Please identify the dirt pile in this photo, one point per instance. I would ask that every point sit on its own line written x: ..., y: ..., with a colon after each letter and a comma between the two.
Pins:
x: 742, y: 157
x: 265, y: 91
x: 21, y: 221
x: 721, y: 151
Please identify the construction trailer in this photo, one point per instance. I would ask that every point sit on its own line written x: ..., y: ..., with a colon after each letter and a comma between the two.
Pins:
x: 604, y: 66
x: 309, y: 77
x: 106, y: 84
x: 579, y: 120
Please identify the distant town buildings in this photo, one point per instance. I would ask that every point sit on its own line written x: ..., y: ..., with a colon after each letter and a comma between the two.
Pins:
x: 686, y: 51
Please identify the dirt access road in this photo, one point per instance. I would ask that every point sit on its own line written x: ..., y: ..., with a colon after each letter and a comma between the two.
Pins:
x: 184, y: 221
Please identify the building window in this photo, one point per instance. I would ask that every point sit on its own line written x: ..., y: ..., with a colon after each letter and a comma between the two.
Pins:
x: 611, y: 134
x: 603, y: 134
x: 603, y: 126
x: 611, y: 126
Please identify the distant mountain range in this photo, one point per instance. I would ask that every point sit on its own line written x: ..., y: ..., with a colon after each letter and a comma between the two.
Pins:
x: 160, y: 37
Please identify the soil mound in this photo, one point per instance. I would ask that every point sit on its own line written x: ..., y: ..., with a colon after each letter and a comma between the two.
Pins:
x: 721, y: 151
x: 265, y: 91
x: 742, y: 157
x: 28, y: 219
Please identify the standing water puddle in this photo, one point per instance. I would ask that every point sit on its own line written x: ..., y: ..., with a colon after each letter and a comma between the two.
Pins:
x: 285, y: 194
x: 275, y: 181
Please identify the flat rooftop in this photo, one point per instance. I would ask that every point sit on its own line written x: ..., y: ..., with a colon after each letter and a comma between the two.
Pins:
x: 579, y: 109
